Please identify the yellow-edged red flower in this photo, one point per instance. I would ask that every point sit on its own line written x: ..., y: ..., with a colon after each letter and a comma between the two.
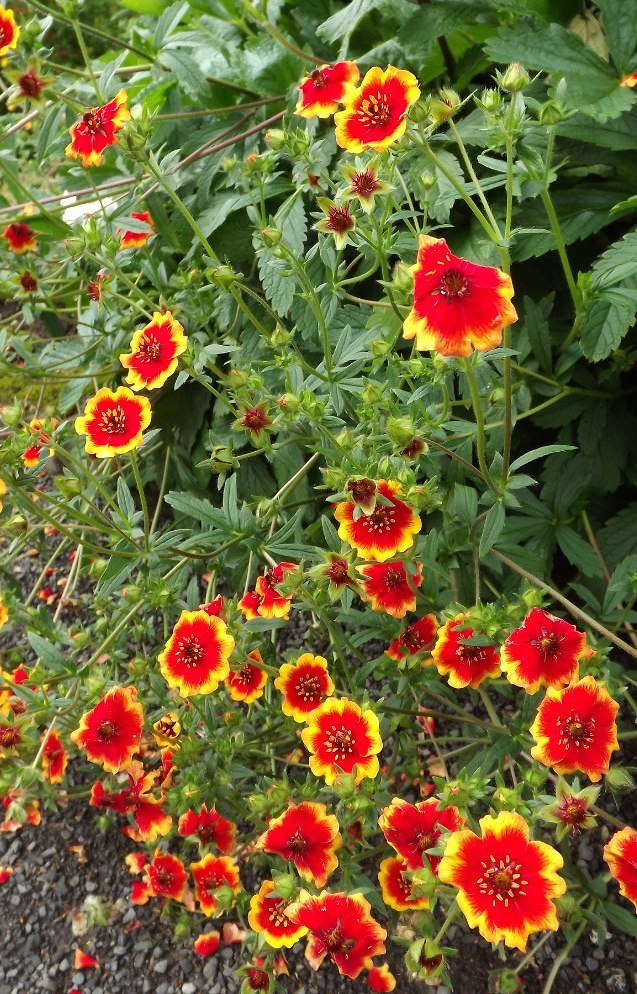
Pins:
x: 575, y: 729
x: 389, y: 588
x: 417, y: 637
x: 265, y: 601
x: 380, y: 978
x: 388, y: 529
x: 342, y: 738
x: 544, y: 651
x: 20, y: 237
x: 456, y: 655
x: 267, y: 917
x: 413, y: 829
x: 113, y: 422
x: 308, y: 837
x: 154, y: 352
x: 166, y: 876
x: 135, y: 239
x: 110, y: 732
x: 304, y: 684
x: 195, y: 658
x: 458, y: 305
x: 167, y: 729
x: 209, y: 874
x: 209, y: 827
x: 207, y: 943
x: 621, y: 855
x: 150, y: 821
x: 98, y: 129
x: 340, y: 926
x: 9, y: 31
x: 325, y: 88
x: 248, y: 683
x: 54, y: 757
x: 375, y: 114
x: 394, y: 878
x: 506, y: 883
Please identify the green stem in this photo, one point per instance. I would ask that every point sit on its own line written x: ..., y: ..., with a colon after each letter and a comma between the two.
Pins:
x: 474, y: 177
x: 480, y: 433
x: 561, y: 959
x: 561, y: 250
x: 142, y: 496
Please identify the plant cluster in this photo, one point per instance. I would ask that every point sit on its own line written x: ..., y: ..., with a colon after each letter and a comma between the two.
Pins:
x: 350, y: 673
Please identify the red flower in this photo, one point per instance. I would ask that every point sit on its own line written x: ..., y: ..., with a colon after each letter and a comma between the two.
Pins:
x: 466, y: 665
x: 209, y: 827
x: 342, y: 738
x: 31, y: 84
x: 154, y: 351
x: 6, y: 872
x: 375, y: 114
x: 629, y: 80
x: 83, y: 961
x: 396, y: 888
x: 380, y: 978
x: 54, y: 758
x: 213, y: 607
x: 417, y: 637
x: 341, y: 926
x: 544, y: 652
x: 135, y: 239
x: 97, y: 130
x: 255, y: 420
x: 325, y: 88
x: 575, y: 729
x: 110, y: 732
x: 207, y: 943
x: 621, y: 855
x: 28, y: 282
x: 151, y: 821
x: 248, y: 683
x: 267, y: 917
x: 19, y: 236
x: 9, y: 31
x: 363, y: 185
x: 388, y: 529
x: 210, y: 873
x: 195, y: 658
x: 29, y: 808
x: 389, y: 588
x: 457, y: 304
x: 338, y: 221
x: 94, y: 287
x: 506, y: 883
x: 113, y: 422
x: 265, y: 601
x: 304, y: 685
x: 167, y: 729
x: 308, y: 837
x: 166, y: 876
x: 413, y: 829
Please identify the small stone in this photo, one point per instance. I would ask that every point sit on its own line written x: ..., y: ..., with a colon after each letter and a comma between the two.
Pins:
x: 160, y: 967
x: 188, y: 988
x: 592, y: 964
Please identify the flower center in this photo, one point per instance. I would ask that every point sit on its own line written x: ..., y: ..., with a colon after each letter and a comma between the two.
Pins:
x: 258, y: 980
x: 148, y: 348
x: 502, y: 880
x: 277, y: 915
x: 339, y: 742
x: 573, y: 811
x: 382, y: 519
x: 333, y: 939
x: 453, y: 284
x: 412, y: 640
x: 106, y: 731
x: 164, y: 878
x: 30, y: 83
x: 113, y: 421
x: 297, y: 843
x: 93, y: 122
x: 470, y: 653
x: 166, y: 728
x: 339, y: 219
x: 190, y: 651
x: 576, y: 730
x: 255, y: 419
x: 426, y: 840
x: 375, y: 110
x: 394, y: 578
x: 9, y: 736
x: 244, y: 675
x: 319, y: 79
x: 547, y: 644
x: 308, y: 689
x: 364, y: 183
x: 337, y: 571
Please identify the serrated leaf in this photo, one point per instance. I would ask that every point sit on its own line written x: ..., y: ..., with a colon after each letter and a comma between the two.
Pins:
x: 604, y: 325
x: 277, y: 281
x: 581, y: 211
x: 340, y: 25
x: 189, y: 76
x: 125, y: 500
x: 538, y: 333
x: 49, y: 654
x: 168, y: 22
x: 620, y: 29
x: 196, y: 507
x: 617, y: 263
x: 492, y: 528
x: 291, y: 220
x: 618, y: 537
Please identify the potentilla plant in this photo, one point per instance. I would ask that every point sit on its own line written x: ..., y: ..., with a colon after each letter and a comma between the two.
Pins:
x: 323, y: 680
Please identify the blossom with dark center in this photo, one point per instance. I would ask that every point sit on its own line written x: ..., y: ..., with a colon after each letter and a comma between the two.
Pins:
x: 28, y: 282
x: 375, y: 114
x: 110, y: 733
x: 166, y: 876
x: 338, y: 221
x: 154, y: 351
x: 167, y: 729
x: 248, y: 683
x: 544, y: 651
x: 458, y: 305
x: 413, y: 829
x: 20, y: 237
x: 466, y: 663
x: 571, y: 812
x: 575, y: 729
x: 97, y: 129
x: 54, y: 757
x: 113, y: 422
x: 304, y: 684
x: 31, y: 84
x: 389, y: 588
x: 396, y: 888
x: 325, y: 88
x: 265, y: 601
x: 135, y: 239
x: 209, y: 874
x: 417, y: 638
x: 9, y: 31
x: 342, y: 738
x: 209, y: 827
x: 267, y: 917
x: 150, y: 821
x: 388, y: 529
x: 621, y: 855
x: 195, y: 658
x: 340, y: 927
x: 308, y: 837
x: 363, y: 185
x: 506, y: 883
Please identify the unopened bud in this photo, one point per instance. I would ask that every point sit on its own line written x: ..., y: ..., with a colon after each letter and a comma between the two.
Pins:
x: 443, y: 106
x: 402, y: 278
x: 551, y: 113
x: 271, y: 236
x: 515, y: 78
x: 275, y: 139
x: 489, y: 100
x: 373, y: 393
x: 223, y: 276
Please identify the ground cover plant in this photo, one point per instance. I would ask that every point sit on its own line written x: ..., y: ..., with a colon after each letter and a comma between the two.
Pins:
x: 318, y: 361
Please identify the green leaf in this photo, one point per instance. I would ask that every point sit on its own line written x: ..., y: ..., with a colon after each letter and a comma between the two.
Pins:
x: 604, y: 325
x: 47, y: 652
x: 188, y: 74
x: 619, y: 135
x: 621, y: 918
x: 125, y: 500
x: 577, y: 551
x: 421, y: 32
x: 117, y: 569
x: 152, y: 7
x: 492, y: 528
x: 340, y: 25
x: 197, y: 508
x: 291, y: 220
x: 52, y: 126
x: 620, y: 28
x: 617, y: 263
x: 582, y: 211
x: 618, y: 537
x: 485, y: 759
x: 277, y: 281
x: 543, y: 450
x: 538, y: 332
x: 168, y: 22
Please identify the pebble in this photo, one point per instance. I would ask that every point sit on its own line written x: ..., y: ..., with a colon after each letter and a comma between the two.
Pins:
x: 188, y: 988
x: 160, y: 967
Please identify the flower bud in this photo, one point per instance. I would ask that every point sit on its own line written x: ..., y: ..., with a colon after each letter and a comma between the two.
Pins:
x: 400, y: 430
x: 275, y: 139
x: 223, y: 276
x: 420, y: 111
x: 379, y: 349
x: 280, y: 337
x: 619, y: 779
x: 271, y: 236
x: 489, y: 100
x: 551, y: 112
x: 222, y: 460
x: 427, y: 179
x: 373, y: 393
x: 402, y: 277
x: 228, y: 163
x: 11, y: 414
x: 443, y: 106
x: 289, y: 402
x: 515, y: 78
